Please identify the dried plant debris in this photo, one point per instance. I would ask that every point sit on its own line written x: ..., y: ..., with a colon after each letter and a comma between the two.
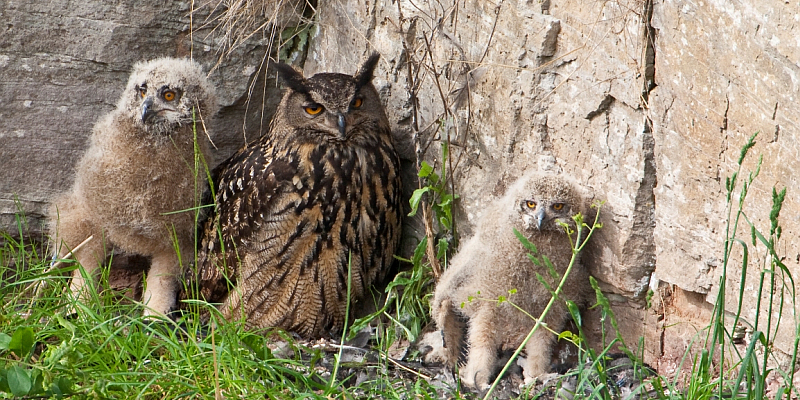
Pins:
x: 236, y: 21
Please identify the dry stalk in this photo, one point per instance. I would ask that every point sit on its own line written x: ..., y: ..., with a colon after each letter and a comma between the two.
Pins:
x: 413, y: 82
x: 403, y: 367
x: 430, y: 250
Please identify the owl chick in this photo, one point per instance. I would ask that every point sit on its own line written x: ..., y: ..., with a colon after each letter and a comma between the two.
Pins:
x: 493, y: 262
x: 137, y: 179
x: 319, y: 192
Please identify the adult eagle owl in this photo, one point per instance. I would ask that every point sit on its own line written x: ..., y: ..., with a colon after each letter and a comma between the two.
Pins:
x: 318, y: 194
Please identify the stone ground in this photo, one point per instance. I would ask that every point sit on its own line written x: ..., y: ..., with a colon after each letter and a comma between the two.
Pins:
x: 364, y: 364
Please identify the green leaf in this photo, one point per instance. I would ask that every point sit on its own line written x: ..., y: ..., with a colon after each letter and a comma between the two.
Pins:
x: 501, y: 299
x: 445, y: 154
x: 535, y: 260
x: 425, y: 170
x: 445, y: 222
x: 550, y: 268
x: 541, y: 280
x: 22, y: 341
x: 37, y: 382
x: 258, y: 345
x: 525, y: 242
x: 433, y: 178
x: 5, y: 340
x: 605, y: 306
x: 18, y: 381
x: 441, y: 248
x: 566, y: 334
x: 447, y: 199
x: 419, y: 251
x: 416, y: 197
x: 574, y: 312
x: 61, y: 387
x: 65, y: 323
x: 4, y: 382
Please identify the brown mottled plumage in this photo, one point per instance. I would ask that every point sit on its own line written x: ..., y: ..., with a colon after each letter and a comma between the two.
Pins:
x: 136, y: 177
x: 321, y: 188
x: 494, y: 261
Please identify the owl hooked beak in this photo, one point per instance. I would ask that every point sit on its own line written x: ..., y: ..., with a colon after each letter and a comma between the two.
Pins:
x: 539, y: 216
x: 341, y: 122
x: 147, y: 110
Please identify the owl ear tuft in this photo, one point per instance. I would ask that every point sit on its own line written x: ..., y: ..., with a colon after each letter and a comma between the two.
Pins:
x: 364, y: 74
x: 291, y: 77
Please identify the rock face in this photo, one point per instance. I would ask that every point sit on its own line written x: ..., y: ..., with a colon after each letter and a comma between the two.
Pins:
x: 725, y: 70
x: 646, y: 102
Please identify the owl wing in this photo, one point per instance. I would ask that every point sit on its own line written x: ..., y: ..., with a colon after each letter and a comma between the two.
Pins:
x: 246, y: 182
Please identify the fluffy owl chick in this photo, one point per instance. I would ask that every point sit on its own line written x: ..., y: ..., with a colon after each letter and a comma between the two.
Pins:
x: 137, y: 179
x: 319, y: 192
x: 493, y: 262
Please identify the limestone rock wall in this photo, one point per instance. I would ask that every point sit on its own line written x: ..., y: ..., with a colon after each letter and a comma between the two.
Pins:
x: 725, y: 70
x: 648, y: 103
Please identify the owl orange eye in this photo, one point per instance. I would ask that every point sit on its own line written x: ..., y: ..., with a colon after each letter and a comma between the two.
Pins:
x: 530, y: 204
x: 169, y: 95
x: 142, y: 91
x: 314, y: 109
x: 357, y: 102
x: 558, y: 206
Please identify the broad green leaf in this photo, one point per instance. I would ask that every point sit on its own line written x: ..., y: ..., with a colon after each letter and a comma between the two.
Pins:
x: 425, y: 170
x: 22, y: 341
x: 5, y: 340
x: 4, y: 382
x: 61, y: 387
x: 37, y: 382
x: 434, y: 178
x: 65, y: 323
x: 416, y: 197
x: 18, y: 381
